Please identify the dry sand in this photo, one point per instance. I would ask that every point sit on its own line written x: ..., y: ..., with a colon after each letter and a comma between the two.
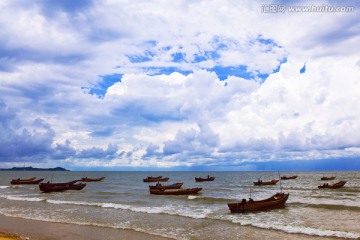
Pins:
x: 39, y: 230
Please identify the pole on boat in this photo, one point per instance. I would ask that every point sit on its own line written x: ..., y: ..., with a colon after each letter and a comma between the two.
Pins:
x: 280, y: 181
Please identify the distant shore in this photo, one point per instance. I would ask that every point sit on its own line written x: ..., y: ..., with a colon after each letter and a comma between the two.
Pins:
x: 40, y: 230
x: 33, y: 169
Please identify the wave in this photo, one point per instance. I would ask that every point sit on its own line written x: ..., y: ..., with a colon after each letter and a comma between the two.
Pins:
x: 29, y: 199
x: 199, y: 213
x: 288, y: 228
x: 3, y: 187
x: 210, y: 199
x: 335, y: 207
x: 308, y: 231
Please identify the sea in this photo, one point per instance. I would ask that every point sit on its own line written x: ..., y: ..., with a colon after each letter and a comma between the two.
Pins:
x: 122, y: 201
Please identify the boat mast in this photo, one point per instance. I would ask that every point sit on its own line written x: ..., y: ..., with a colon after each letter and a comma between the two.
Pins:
x: 280, y: 182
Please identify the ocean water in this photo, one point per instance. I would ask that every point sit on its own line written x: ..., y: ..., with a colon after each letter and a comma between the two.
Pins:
x: 122, y: 200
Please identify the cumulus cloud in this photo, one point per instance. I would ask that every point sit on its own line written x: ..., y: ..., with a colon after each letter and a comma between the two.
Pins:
x: 164, y: 84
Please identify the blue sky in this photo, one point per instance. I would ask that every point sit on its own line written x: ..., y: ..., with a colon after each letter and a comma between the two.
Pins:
x: 119, y: 85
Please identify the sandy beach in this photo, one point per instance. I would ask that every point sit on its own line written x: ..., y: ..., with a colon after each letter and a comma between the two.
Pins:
x: 39, y: 230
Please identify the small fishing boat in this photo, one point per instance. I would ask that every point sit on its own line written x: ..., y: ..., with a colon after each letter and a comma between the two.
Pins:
x: 199, y: 179
x: 328, y: 178
x: 157, y: 179
x: 288, y: 178
x: 186, y: 191
x: 24, y: 179
x: 276, y: 201
x: 59, y: 187
x: 170, y: 186
x: 260, y: 182
x: 86, y: 179
x: 21, y: 182
x: 335, y: 185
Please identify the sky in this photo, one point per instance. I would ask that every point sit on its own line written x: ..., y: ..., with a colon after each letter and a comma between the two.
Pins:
x: 179, y: 85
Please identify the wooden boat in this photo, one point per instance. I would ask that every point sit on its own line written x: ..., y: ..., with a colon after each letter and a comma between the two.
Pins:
x: 24, y: 179
x: 151, y: 177
x: 327, y: 178
x: 77, y: 186
x: 58, y: 187
x: 163, y: 191
x: 335, y: 185
x: 20, y: 182
x: 157, y: 179
x: 288, y: 178
x: 86, y: 179
x: 171, y: 186
x: 276, y: 201
x: 199, y: 179
x: 260, y: 182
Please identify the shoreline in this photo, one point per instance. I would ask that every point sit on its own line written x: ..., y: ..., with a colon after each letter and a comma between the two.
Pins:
x: 40, y: 230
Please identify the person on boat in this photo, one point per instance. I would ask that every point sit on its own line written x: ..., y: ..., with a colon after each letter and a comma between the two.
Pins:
x: 243, y: 201
x: 158, y: 184
x: 251, y: 200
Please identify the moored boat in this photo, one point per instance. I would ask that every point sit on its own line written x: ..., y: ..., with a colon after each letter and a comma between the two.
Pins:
x: 335, y: 185
x: 24, y: 179
x: 86, y: 179
x: 170, y: 186
x: 20, y: 182
x: 186, y: 191
x: 260, y: 182
x: 328, y: 178
x: 59, y: 187
x: 276, y: 201
x: 157, y: 179
x: 199, y: 179
x: 288, y: 178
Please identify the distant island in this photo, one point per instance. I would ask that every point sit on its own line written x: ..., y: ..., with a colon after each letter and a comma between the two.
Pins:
x: 34, y: 169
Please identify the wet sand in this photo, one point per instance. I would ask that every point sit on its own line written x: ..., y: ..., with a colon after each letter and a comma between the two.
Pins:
x: 39, y: 230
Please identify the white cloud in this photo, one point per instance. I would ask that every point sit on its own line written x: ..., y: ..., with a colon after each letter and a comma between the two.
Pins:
x: 51, y: 57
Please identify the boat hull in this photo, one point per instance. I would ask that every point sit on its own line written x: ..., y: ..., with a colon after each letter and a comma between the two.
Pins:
x: 59, y: 187
x: 171, y: 186
x: 204, y: 179
x: 86, y: 179
x: 22, y: 182
x: 333, y: 186
x: 272, y: 182
x: 274, y: 202
x: 187, y: 191
x: 288, y: 178
x: 156, y: 179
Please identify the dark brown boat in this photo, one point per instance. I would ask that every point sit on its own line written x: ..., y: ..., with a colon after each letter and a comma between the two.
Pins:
x: 25, y: 179
x: 157, y: 179
x: 186, y: 191
x: 86, y: 179
x: 327, y: 178
x: 199, y: 179
x: 276, y: 201
x: 59, y: 187
x: 288, y: 178
x: 260, y: 182
x: 171, y: 186
x: 20, y: 182
x: 335, y: 185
